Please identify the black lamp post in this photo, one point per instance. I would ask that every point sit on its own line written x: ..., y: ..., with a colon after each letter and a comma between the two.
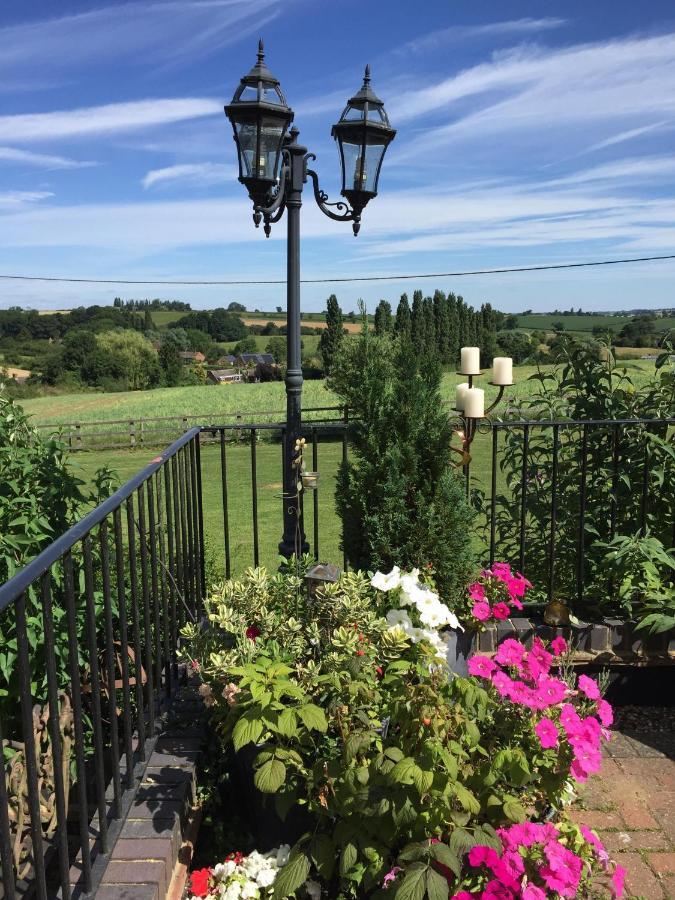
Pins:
x: 273, y: 166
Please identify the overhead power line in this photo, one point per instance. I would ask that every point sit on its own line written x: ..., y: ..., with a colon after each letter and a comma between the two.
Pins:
x: 502, y: 271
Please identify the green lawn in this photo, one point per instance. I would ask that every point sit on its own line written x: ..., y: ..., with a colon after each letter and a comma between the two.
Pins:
x: 268, y: 456
x: 217, y: 402
x: 126, y: 463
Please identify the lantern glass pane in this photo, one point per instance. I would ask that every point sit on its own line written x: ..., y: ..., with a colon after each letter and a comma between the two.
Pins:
x: 352, y: 113
x: 246, y: 140
x: 271, y: 133
x: 270, y: 94
x: 352, y: 161
x: 374, y: 154
x: 249, y: 93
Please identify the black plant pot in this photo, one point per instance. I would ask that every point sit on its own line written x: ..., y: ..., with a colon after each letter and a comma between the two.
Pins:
x: 461, y: 645
x: 267, y: 827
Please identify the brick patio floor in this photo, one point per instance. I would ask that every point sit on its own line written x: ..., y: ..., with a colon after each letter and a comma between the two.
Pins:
x: 631, y: 804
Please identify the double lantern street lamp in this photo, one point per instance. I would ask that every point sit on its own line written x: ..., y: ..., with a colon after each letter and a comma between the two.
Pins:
x: 273, y: 167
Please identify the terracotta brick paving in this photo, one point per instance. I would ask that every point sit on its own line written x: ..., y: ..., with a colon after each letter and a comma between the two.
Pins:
x: 631, y: 804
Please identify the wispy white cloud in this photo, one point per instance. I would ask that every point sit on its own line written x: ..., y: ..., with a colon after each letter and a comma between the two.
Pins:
x: 630, y: 135
x: 141, y: 33
x: 114, y: 117
x: 532, y: 88
x: 400, y: 223
x: 623, y: 171
x: 11, y: 201
x: 507, y: 28
x: 197, y: 174
x: 42, y: 160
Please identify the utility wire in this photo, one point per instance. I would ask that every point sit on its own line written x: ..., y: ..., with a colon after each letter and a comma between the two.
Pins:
x: 577, y: 265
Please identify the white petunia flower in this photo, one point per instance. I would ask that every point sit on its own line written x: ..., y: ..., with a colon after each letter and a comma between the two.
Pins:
x: 232, y: 892
x: 387, y: 582
x: 409, y: 580
x: 266, y: 877
x: 282, y: 854
x: 313, y: 889
x: 250, y: 891
x: 398, y: 618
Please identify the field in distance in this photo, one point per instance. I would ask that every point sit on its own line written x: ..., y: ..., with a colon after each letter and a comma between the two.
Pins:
x: 546, y: 321
x: 216, y: 401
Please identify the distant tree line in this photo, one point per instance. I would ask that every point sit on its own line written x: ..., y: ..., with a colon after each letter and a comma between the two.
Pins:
x: 156, y: 303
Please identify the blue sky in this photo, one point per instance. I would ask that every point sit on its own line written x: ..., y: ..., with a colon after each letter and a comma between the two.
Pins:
x: 528, y: 133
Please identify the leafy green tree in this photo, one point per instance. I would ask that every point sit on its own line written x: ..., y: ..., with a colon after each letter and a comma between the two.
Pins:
x: 332, y: 336
x: 200, y: 341
x: 234, y: 306
x: 277, y: 347
x: 132, y: 355
x: 148, y: 324
x: 170, y: 361
x: 246, y: 345
x: 516, y: 344
x: 400, y: 498
x: 383, y: 318
x: 403, y: 316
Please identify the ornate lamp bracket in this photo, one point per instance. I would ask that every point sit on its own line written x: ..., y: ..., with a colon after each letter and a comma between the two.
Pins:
x: 344, y: 214
x: 275, y: 210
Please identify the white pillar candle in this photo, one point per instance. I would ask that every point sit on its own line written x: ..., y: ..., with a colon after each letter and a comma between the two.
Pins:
x: 470, y: 361
x: 502, y: 370
x: 460, y: 393
x: 474, y: 403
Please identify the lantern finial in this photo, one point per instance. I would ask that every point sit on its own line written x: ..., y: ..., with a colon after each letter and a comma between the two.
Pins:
x: 366, y: 77
x: 261, y: 50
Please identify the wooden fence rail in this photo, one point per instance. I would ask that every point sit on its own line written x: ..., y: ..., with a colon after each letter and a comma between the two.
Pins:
x: 144, y: 431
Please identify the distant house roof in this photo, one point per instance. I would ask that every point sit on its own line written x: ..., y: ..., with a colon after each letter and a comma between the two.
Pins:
x: 192, y: 356
x: 220, y: 376
x: 227, y: 360
x: 254, y: 359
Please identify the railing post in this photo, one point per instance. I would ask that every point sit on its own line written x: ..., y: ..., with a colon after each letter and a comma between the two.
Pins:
x: 132, y: 433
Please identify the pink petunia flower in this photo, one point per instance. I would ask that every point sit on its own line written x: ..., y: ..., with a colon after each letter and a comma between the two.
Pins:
x: 618, y: 879
x: 483, y: 856
x: 532, y: 892
x: 481, y: 666
x: 502, y: 683
x: 551, y: 690
x: 502, y: 571
x: 591, y: 838
x: 558, y: 646
x: 547, y: 734
x: 481, y: 610
x: 510, y: 653
x: 477, y: 591
x: 589, y: 687
x: 501, y: 611
x: 605, y: 713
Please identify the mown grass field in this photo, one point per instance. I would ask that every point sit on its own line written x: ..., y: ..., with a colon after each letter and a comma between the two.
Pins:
x: 213, y: 401
x: 268, y: 452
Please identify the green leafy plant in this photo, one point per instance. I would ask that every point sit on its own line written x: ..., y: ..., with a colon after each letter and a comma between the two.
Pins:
x: 352, y: 719
x: 40, y: 498
x: 624, y: 465
x: 643, y: 572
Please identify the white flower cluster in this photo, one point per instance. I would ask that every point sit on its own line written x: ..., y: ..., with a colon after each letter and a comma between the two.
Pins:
x: 249, y: 878
x: 411, y: 592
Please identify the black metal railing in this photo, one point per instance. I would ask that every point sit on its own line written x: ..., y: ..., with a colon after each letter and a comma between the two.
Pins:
x: 96, y: 618
x: 552, y: 492
x: 108, y: 598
